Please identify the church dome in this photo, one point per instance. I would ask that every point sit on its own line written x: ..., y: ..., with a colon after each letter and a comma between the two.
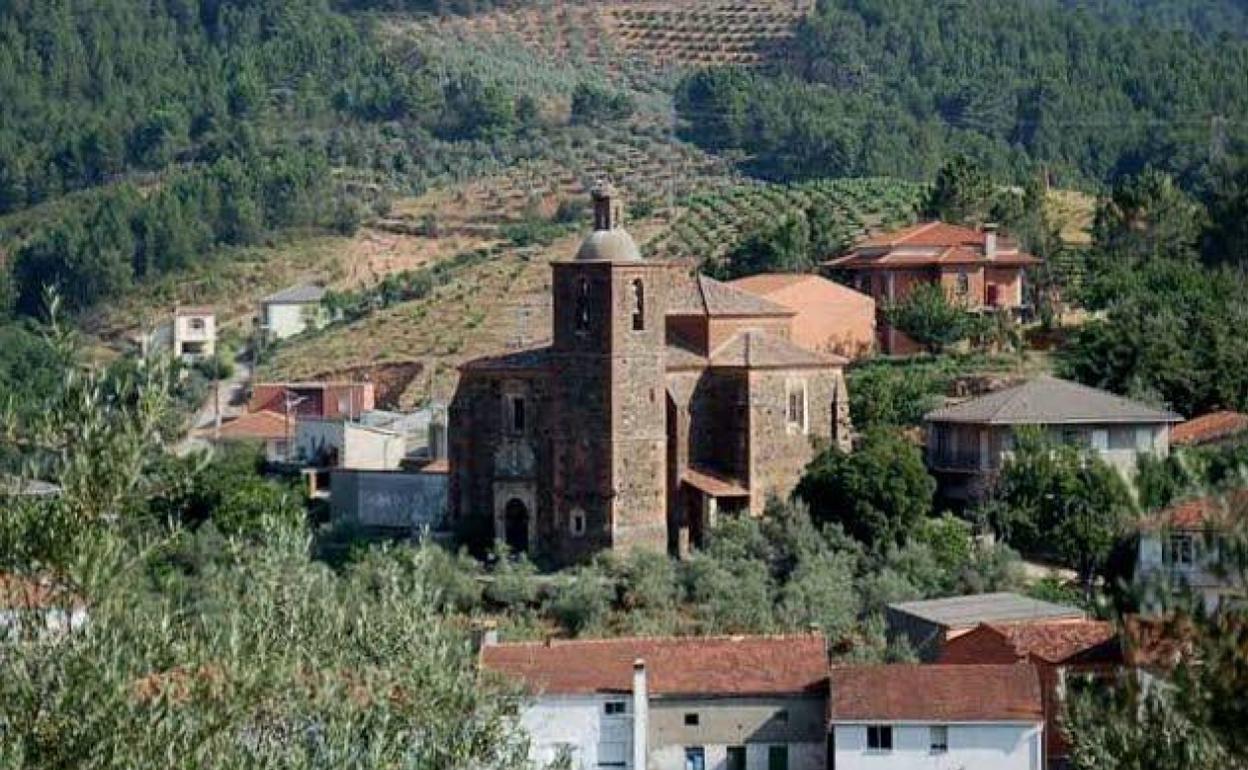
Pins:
x: 609, y: 242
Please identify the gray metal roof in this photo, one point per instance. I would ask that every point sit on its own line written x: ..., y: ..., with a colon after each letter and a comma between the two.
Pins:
x: 969, y: 611
x: 1050, y: 401
x: 296, y: 295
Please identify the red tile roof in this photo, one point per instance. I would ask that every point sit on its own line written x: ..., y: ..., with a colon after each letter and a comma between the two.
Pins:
x: 935, y: 693
x: 1208, y: 428
x: 726, y: 665
x: 1052, y: 642
x: 253, y: 426
x: 931, y: 244
x: 714, y: 484
x: 1201, y: 512
x: 19, y: 592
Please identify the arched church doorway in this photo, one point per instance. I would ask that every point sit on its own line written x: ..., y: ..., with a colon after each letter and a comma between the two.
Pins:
x: 516, y: 526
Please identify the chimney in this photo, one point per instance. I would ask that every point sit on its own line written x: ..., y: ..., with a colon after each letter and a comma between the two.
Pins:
x: 608, y: 210
x: 990, y: 241
x: 641, y: 714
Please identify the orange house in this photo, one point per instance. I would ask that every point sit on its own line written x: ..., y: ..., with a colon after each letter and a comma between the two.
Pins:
x: 975, y: 267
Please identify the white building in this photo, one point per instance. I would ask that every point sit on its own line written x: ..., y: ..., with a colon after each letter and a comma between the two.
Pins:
x: 935, y: 717
x: 292, y: 311
x: 345, y: 444
x: 697, y: 703
x: 1179, y: 551
x: 194, y: 333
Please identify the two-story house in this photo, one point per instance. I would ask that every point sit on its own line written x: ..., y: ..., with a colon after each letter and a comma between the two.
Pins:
x: 292, y: 311
x: 194, y: 333
x: 967, y: 443
x: 911, y: 716
x: 1180, y: 550
x: 694, y: 703
x: 977, y: 268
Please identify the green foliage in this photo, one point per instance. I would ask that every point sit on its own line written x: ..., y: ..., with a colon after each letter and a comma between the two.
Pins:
x: 929, y: 318
x: 894, y: 393
x: 1170, y: 335
x: 1226, y: 240
x: 1014, y: 85
x: 581, y: 603
x: 878, y: 493
x: 962, y: 194
x: 1148, y: 217
x: 780, y: 247
x: 511, y: 580
x: 595, y: 103
x: 1061, y: 501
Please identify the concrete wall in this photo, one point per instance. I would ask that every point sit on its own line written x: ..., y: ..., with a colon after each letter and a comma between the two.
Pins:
x: 575, y: 722
x: 755, y: 723
x: 971, y: 747
x: 286, y: 320
x: 388, y: 499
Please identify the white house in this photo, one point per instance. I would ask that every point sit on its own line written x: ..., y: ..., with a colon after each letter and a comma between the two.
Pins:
x: 696, y: 703
x: 967, y: 443
x: 935, y: 717
x: 1179, y: 550
x: 292, y: 311
x: 345, y: 444
x: 194, y: 333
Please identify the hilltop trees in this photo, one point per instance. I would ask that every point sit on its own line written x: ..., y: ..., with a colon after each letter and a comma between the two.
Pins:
x: 928, y: 317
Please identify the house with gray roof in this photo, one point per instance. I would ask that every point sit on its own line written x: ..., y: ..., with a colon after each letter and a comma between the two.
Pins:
x: 928, y: 624
x: 967, y: 443
x: 292, y: 311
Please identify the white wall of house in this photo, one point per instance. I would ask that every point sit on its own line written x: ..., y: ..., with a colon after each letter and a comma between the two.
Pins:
x: 1169, y: 560
x: 357, y: 447
x: 980, y: 746
x: 282, y: 320
x: 801, y: 756
x: 195, y: 336
x: 580, y: 723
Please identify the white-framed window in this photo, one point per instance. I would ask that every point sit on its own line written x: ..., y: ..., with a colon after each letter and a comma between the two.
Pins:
x: 615, y: 708
x: 695, y: 758
x: 795, y: 408
x: 1143, y: 439
x: 198, y: 324
x: 576, y: 522
x: 1100, y: 440
x: 938, y: 739
x: 1181, y: 550
x: 879, y: 737
x: 639, y: 306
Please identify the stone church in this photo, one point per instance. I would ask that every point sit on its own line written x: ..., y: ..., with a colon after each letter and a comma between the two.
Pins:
x: 662, y: 402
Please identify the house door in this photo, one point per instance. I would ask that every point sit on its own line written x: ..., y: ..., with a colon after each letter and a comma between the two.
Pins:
x: 615, y: 735
x: 516, y: 526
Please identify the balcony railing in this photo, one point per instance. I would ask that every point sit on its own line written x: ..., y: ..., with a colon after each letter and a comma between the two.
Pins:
x: 968, y: 460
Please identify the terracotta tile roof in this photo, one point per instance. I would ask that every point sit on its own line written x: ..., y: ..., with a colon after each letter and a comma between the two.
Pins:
x: 714, y: 484
x: 756, y: 349
x: 710, y: 666
x: 931, y: 244
x: 703, y: 295
x: 830, y: 317
x: 1208, y: 428
x: 253, y: 426
x: 1200, y: 513
x: 934, y: 693
x: 19, y: 592
x: 1052, y: 642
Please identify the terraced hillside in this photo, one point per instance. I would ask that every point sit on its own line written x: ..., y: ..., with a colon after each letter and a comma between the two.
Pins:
x: 709, y: 224
x: 638, y: 38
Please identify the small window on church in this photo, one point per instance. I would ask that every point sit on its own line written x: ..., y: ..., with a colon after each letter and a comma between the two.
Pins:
x: 639, y: 306
x: 796, y: 413
x: 577, y: 521
x: 517, y: 414
x: 582, y: 306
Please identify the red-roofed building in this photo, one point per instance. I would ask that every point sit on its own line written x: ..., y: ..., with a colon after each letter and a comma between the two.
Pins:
x: 987, y: 717
x: 672, y: 703
x: 1056, y: 650
x: 271, y: 430
x: 1179, y: 549
x: 1213, y: 428
x: 976, y: 267
x: 831, y: 318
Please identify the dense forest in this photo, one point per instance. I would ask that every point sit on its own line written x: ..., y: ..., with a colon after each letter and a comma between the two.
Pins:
x: 892, y: 87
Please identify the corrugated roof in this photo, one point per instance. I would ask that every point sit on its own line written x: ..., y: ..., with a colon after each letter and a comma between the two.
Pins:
x: 1207, y: 428
x: 756, y: 349
x: 703, y: 295
x: 1050, y: 401
x: 296, y: 295
x: 934, y: 693
x: 710, y: 666
x: 970, y: 611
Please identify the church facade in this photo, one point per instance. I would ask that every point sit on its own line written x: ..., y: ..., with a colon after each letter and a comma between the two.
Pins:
x: 662, y: 402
